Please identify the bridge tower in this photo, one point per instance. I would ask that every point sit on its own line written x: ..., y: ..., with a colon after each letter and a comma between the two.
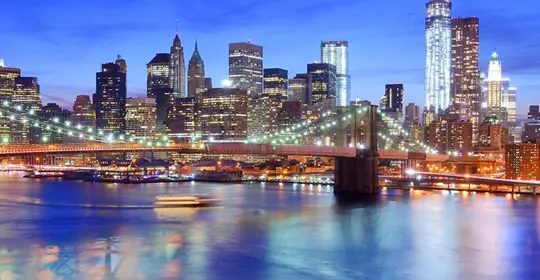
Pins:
x: 358, y: 175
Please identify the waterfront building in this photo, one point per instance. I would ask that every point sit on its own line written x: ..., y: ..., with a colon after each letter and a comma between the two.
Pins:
x: 337, y: 54
x: 276, y: 83
x: 141, y: 118
x: 466, y: 88
x: 522, y: 161
x: 177, y: 68
x: 323, y: 82
x: 110, y: 99
x: 438, y: 54
x: 246, y: 67
x: 449, y: 135
x: 196, y: 75
x: 158, y: 86
x: 224, y: 114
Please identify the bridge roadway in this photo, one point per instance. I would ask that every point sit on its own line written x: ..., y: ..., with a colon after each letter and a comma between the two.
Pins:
x: 213, y: 148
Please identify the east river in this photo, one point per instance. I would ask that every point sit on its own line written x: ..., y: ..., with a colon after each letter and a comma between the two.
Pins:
x: 262, y: 231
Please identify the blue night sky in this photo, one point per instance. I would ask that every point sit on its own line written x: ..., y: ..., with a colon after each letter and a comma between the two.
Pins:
x: 64, y: 42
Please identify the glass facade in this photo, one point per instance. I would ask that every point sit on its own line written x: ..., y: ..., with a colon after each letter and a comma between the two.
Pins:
x: 276, y: 83
x: 438, y: 54
x: 27, y: 94
x: 508, y: 99
x: 323, y: 82
x: 7, y: 84
x: 246, y: 67
x: 183, y: 119
x: 177, y: 69
x: 110, y: 99
x: 158, y: 87
x: 337, y: 53
x: 300, y: 88
x: 263, y: 115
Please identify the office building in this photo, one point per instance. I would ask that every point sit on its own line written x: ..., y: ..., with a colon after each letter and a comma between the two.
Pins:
x: 508, y: 99
x: 121, y: 63
x: 177, y: 69
x: 494, y: 82
x: 290, y: 113
x: 323, y: 81
x: 531, y: 132
x: 84, y: 112
x: 337, y: 54
x: 141, y: 118
x: 438, y: 54
x: 466, y: 89
x: 492, y: 134
x: 55, y: 135
x: 522, y: 161
x: 224, y: 114
x: 246, y: 67
x: 276, y: 83
x: 110, y: 99
x: 196, y: 75
x: 392, y: 101
x: 183, y: 121
x: 300, y: 88
x: 7, y: 88
x: 412, y: 113
x: 26, y: 93
x: 449, y: 135
x: 534, y: 113
x: 263, y: 115
x: 158, y: 86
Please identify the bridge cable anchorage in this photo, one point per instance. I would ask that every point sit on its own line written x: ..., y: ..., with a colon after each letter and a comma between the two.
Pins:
x: 67, y: 128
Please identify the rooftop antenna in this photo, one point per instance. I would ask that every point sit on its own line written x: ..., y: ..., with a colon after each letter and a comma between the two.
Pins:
x: 176, y: 28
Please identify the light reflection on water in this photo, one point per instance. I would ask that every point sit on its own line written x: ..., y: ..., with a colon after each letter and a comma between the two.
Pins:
x: 265, y: 231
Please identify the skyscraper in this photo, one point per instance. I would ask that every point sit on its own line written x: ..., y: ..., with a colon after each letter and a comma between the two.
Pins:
x: 224, y: 114
x: 158, y: 86
x: 438, y: 54
x: 52, y: 111
x: 84, y: 112
x: 263, y: 114
x: 508, y: 99
x: 182, y: 119
x: 300, y: 88
x: 466, y: 93
x: 196, y: 79
x: 494, y: 82
x: 177, y: 68
x: 323, y: 81
x: 26, y: 93
x: 276, y: 83
x: 141, y: 118
x: 246, y: 67
x: 337, y: 53
x: 121, y: 63
x: 7, y: 84
x: 412, y: 113
x: 110, y: 99
x: 392, y: 101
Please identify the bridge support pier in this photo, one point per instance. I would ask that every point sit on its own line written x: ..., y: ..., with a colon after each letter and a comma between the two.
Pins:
x: 357, y: 176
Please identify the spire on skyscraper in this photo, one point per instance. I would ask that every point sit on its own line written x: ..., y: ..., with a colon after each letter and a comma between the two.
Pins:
x: 494, y: 55
x: 196, y: 55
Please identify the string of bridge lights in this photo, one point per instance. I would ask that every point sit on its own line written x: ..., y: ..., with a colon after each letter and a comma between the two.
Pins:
x: 69, y: 129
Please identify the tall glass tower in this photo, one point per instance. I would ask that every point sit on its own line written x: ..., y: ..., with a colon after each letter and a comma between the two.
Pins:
x: 438, y: 54
x: 337, y: 53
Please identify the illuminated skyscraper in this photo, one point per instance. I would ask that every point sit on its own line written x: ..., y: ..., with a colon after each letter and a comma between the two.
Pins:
x: 522, y: 161
x: 494, y: 82
x: 182, y: 119
x: 121, y: 63
x: 7, y: 87
x: 224, y: 114
x: 276, y: 83
x: 110, y: 99
x: 438, y: 54
x: 196, y: 79
x: 84, y: 112
x: 466, y: 93
x: 246, y: 67
x: 158, y: 87
x: 508, y: 99
x: 52, y: 111
x: 141, y: 118
x: 337, y: 53
x: 26, y: 93
x: 323, y: 82
x: 300, y: 88
x: 177, y: 70
x: 263, y: 114
x: 392, y: 101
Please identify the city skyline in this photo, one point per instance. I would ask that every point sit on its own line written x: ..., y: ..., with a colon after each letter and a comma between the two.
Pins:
x: 73, y: 36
